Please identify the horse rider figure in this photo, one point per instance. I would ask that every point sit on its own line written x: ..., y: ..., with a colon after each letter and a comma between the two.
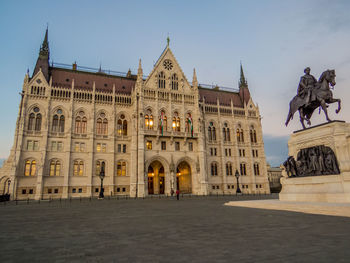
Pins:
x: 307, y: 82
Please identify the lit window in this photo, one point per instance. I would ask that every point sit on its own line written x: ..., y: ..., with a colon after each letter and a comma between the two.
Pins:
x: 149, y: 145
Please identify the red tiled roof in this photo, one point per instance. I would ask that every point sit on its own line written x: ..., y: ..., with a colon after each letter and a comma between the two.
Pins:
x: 225, y: 97
x: 85, y: 80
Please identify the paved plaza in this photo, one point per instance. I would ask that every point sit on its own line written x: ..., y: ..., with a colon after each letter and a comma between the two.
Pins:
x: 196, y: 229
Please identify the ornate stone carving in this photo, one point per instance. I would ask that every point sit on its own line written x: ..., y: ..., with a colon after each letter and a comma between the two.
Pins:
x: 312, y: 161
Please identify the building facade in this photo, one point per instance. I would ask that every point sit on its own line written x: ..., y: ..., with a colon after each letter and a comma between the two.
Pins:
x: 151, y: 135
x: 274, y: 175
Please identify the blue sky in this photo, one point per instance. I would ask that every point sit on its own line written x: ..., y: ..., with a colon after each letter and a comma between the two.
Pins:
x: 275, y: 40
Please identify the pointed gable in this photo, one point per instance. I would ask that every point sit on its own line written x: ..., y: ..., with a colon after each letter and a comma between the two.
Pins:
x: 167, y: 64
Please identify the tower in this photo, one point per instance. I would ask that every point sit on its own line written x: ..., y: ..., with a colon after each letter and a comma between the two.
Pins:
x: 42, y: 62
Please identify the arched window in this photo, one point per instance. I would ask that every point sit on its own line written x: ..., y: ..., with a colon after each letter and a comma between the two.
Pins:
x: 80, y: 123
x: 38, y: 122
x: 252, y: 134
x: 58, y: 121
x: 212, y: 132
x: 78, y: 168
x: 228, y: 169
x: 121, y: 168
x: 102, y: 124
x: 226, y: 133
x: 174, y: 82
x: 34, y: 120
x: 99, y: 165
x: 256, y: 169
x: 189, y: 124
x: 61, y: 124
x: 55, y: 123
x: 210, y: 138
x: 122, y: 125
x: 149, y: 121
x: 161, y: 80
x: 55, y: 168
x: 30, y: 168
x: 240, y: 134
x: 176, y: 122
x: 243, y: 169
x: 31, y: 121
x: 214, y: 169
x: 163, y: 124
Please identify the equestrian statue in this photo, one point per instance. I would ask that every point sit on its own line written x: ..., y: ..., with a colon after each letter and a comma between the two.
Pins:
x: 312, y: 94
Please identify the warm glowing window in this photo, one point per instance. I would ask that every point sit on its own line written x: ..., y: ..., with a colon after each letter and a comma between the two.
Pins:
x: 30, y: 168
x: 55, y: 168
x: 149, y: 145
x: 121, y: 168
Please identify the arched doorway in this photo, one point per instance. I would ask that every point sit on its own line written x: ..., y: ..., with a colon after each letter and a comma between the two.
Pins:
x: 184, y: 178
x: 156, y: 178
x: 4, y: 185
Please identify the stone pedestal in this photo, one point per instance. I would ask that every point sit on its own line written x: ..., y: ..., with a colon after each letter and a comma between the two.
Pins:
x: 323, y: 188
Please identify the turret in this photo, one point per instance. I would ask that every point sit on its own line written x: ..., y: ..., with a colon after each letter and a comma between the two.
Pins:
x: 43, y: 59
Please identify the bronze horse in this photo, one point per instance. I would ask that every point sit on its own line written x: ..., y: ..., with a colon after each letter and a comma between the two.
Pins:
x: 321, y: 95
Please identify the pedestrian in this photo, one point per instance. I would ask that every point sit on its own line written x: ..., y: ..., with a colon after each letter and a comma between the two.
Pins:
x: 172, y: 192
x: 177, y: 194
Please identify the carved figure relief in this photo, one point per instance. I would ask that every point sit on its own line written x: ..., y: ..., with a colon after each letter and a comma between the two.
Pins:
x: 312, y: 161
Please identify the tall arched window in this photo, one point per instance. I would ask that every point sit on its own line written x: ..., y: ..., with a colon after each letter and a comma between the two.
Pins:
x: 189, y: 124
x: 99, y: 165
x: 214, y: 169
x: 34, y: 120
x: 226, y: 133
x: 211, y: 132
x: 121, y: 168
x: 252, y: 133
x: 55, y: 168
x: 38, y: 122
x: 210, y: 138
x: 58, y: 121
x: 80, y: 123
x: 30, y: 168
x: 102, y: 124
x: 31, y: 121
x: 228, y: 169
x: 122, y: 125
x: 161, y: 80
x: 174, y: 82
x: 243, y: 169
x: 78, y: 169
x: 240, y: 134
x: 163, y: 124
x: 256, y: 169
x: 176, y: 122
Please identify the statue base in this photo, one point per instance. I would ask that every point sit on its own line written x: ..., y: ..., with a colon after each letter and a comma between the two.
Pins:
x: 332, y: 188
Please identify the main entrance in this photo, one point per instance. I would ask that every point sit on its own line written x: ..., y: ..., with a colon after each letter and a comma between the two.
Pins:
x: 184, y: 178
x: 156, y: 178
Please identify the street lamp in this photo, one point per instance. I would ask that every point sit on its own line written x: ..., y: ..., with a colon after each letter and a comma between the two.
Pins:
x: 102, y: 176
x: 238, y: 191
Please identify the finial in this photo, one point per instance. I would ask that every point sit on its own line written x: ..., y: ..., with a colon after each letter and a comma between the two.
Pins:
x: 139, y: 70
x: 194, y: 80
x: 242, y: 80
x: 28, y: 71
x: 168, y: 40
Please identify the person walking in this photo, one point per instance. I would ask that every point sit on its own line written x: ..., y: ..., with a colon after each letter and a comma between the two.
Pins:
x: 177, y: 194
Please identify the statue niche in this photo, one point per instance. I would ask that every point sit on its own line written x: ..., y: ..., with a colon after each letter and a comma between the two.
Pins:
x: 312, y: 161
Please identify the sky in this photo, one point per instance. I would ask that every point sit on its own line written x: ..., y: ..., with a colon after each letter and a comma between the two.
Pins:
x: 274, y: 40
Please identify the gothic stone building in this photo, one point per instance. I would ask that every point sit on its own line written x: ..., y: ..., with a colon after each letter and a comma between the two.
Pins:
x: 150, y: 134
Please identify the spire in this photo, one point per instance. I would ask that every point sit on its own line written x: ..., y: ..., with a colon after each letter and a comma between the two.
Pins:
x: 242, y: 81
x: 42, y: 62
x: 44, y: 49
x: 139, y: 70
x: 194, y: 80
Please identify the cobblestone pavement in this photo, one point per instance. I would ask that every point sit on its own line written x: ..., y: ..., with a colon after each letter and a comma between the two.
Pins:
x: 165, y: 230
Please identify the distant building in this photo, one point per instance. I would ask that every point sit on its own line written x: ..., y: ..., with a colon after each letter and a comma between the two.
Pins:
x: 274, y: 175
x: 151, y: 134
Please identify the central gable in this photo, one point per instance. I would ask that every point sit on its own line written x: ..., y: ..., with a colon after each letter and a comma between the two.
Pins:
x: 167, y: 68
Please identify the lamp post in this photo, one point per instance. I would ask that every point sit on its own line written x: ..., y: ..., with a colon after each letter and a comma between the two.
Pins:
x: 238, y: 191
x: 102, y: 176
